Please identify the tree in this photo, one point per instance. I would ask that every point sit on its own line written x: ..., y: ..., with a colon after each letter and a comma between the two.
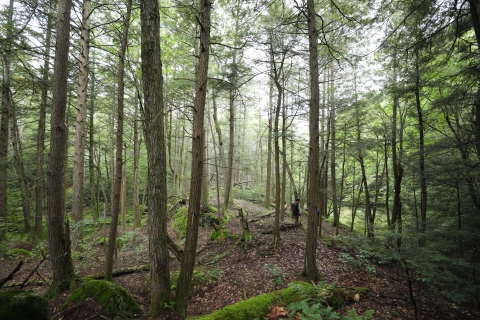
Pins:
x: 201, y: 72
x: 153, y: 129
x: 310, y: 269
x: 58, y: 232
x: 79, y: 154
x: 117, y: 186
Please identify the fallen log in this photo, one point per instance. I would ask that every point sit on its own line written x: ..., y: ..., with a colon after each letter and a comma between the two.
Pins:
x: 10, y: 276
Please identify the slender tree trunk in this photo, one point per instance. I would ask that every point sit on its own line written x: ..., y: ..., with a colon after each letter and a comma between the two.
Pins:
x: 387, y: 178
x: 136, y: 158
x: 39, y: 162
x: 201, y: 72
x: 397, y: 165
x: 117, y: 186
x: 229, y: 177
x: 58, y: 231
x: 423, y: 180
x: 153, y: 130
x: 333, y: 141
x: 79, y: 153
x: 94, y: 189
x: 19, y: 168
x: 475, y: 13
x: 6, y: 101
x: 310, y: 269
x: 269, y: 148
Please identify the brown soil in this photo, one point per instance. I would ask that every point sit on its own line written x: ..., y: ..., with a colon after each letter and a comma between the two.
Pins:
x: 242, y: 273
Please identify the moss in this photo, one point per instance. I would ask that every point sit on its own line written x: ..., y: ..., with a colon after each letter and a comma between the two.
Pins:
x: 179, y: 223
x: 259, y: 306
x: 113, y: 298
x: 222, y: 234
x: 22, y: 305
x: 18, y: 252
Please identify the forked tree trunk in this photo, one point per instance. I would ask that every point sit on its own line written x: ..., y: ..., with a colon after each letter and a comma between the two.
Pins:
x: 201, y: 72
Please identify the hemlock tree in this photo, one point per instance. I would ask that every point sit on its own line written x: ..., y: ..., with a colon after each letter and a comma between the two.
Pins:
x: 58, y: 233
x: 201, y: 72
x: 153, y: 129
x: 310, y: 269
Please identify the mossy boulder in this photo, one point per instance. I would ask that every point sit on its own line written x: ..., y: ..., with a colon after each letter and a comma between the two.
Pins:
x: 112, y: 297
x: 258, y: 307
x: 22, y: 305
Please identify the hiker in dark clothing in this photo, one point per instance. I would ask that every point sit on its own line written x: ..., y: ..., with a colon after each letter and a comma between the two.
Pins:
x: 296, y: 210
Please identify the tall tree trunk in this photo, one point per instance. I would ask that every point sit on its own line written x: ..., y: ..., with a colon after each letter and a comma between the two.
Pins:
x: 39, y: 162
x: 153, y: 130
x: 79, y: 153
x: 58, y: 232
x: 136, y: 158
x: 421, y: 142
x: 333, y: 141
x: 397, y: 165
x: 229, y: 177
x: 201, y: 73
x: 117, y: 186
x: 310, y: 269
x: 387, y: 178
x: 94, y: 189
x: 269, y: 148
x: 19, y: 168
x: 6, y: 101
x: 277, y: 72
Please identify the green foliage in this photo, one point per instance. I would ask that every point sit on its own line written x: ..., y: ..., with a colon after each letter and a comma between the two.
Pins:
x: 22, y: 305
x: 278, y: 276
x: 15, y: 252
x: 254, y: 194
x: 179, y: 222
x: 220, y: 233
x: 113, y: 298
x: 314, y: 299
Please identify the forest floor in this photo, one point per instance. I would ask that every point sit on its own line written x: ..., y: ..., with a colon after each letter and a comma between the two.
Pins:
x: 237, y: 273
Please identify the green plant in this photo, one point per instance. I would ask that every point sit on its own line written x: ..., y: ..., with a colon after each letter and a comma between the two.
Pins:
x: 179, y: 221
x: 276, y: 273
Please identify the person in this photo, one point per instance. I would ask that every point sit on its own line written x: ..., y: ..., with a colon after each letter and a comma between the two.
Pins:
x: 296, y: 210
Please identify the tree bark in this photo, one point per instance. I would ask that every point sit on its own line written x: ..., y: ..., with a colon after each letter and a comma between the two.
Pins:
x: 79, y: 153
x: 153, y: 130
x: 201, y: 73
x: 117, y: 186
x: 310, y: 269
x: 58, y: 233
x: 6, y: 100
x: 39, y: 161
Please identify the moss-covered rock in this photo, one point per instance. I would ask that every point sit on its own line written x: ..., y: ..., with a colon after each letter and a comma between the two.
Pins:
x: 113, y: 298
x: 258, y: 306
x: 22, y: 305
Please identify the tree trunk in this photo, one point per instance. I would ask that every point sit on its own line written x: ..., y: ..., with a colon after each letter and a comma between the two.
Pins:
x: 269, y: 148
x: 475, y: 13
x: 201, y: 73
x: 79, y: 153
x: 333, y: 161
x: 229, y: 177
x: 58, y: 233
x: 117, y: 186
x: 153, y: 130
x: 421, y: 142
x: 136, y: 157
x: 6, y: 100
x: 310, y: 269
x: 39, y: 162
